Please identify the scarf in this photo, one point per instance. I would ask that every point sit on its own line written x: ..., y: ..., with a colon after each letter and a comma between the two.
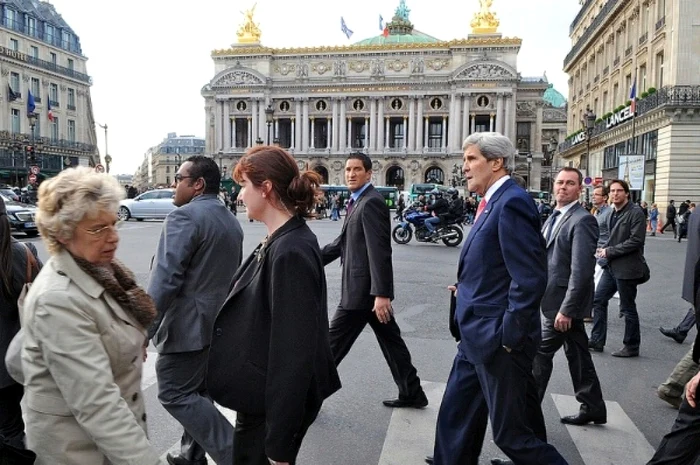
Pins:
x: 120, y: 284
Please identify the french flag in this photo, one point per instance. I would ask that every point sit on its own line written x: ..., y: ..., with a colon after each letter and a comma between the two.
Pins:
x: 633, y: 95
x: 50, y: 113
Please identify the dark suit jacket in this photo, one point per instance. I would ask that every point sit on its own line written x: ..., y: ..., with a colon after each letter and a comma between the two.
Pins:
x: 502, y: 276
x: 571, y: 265
x: 691, y: 277
x: 270, y: 354
x: 364, y: 248
x: 625, y: 246
x: 200, y: 248
x: 9, y: 315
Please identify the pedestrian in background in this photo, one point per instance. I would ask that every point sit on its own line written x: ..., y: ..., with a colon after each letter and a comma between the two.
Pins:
x: 19, y: 264
x: 654, y: 218
x: 270, y: 358
x: 670, y: 218
x: 84, y: 323
x: 200, y: 248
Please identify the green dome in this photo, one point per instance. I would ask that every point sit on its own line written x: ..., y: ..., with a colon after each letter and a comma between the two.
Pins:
x: 415, y: 37
x: 554, y: 97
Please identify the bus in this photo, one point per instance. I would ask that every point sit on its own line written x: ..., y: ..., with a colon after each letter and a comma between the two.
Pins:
x: 390, y: 194
x: 423, y: 189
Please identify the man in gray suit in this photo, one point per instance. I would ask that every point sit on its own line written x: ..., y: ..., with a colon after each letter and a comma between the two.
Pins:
x: 571, y: 235
x: 200, y: 248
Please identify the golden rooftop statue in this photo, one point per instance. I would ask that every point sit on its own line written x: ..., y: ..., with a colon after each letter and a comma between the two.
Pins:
x: 249, y: 32
x: 485, y: 21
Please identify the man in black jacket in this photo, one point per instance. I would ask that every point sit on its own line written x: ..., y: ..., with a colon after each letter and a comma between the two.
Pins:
x: 440, y: 207
x: 670, y: 218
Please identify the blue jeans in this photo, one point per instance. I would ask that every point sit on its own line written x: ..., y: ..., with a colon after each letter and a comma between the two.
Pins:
x: 431, y: 222
x: 606, y: 289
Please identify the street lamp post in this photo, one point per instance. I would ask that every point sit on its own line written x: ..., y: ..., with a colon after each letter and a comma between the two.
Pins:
x: 108, y: 158
x: 269, y: 112
x: 552, y: 148
x: 590, y: 125
x: 529, y: 169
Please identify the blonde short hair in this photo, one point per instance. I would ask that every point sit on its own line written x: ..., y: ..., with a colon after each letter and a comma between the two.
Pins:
x: 71, y: 196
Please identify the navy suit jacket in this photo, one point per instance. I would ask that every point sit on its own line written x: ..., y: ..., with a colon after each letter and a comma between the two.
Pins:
x: 502, y: 277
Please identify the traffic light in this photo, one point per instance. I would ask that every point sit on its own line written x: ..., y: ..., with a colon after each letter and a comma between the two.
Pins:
x: 31, y: 154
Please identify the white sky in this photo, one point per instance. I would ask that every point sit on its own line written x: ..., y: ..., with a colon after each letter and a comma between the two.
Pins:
x: 150, y: 58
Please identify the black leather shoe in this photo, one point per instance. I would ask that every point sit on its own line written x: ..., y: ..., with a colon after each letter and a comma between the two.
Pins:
x: 419, y: 402
x: 501, y: 462
x: 583, y: 418
x: 429, y: 459
x: 673, y: 334
x: 595, y: 346
x: 626, y: 352
x: 180, y: 460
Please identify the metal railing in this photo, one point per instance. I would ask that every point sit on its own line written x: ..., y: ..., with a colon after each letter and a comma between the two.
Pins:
x: 628, y: 52
x: 643, y: 38
x: 42, y: 143
x: 591, y: 31
x: 51, y: 39
x: 51, y: 66
x: 660, y: 23
x: 616, y: 61
x: 606, y: 70
x: 667, y: 97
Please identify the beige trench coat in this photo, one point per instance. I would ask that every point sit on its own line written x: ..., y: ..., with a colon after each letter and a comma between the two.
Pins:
x: 82, y: 362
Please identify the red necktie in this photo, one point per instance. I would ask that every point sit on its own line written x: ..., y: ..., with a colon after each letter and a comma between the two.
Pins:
x: 348, y: 209
x: 480, y: 208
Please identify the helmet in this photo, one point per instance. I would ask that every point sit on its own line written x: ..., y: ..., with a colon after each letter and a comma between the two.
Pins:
x: 435, y: 191
x: 452, y: 192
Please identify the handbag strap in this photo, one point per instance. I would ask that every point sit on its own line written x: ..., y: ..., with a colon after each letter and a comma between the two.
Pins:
x: 31, y: 263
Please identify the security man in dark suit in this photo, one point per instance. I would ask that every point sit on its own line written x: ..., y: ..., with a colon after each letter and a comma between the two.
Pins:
x: 367, y: 289
x: 571, y: 234
x: 682, y: 445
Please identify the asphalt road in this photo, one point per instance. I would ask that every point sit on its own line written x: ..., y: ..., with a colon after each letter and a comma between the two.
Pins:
x: 354, y: 428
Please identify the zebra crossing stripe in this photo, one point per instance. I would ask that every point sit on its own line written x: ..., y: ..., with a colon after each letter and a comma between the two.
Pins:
x: 618, y: 442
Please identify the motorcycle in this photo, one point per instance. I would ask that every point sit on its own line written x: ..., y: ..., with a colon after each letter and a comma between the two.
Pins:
x: 449, y: 233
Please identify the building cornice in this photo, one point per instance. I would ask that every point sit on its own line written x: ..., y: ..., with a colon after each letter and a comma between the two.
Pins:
x: 457, y: 43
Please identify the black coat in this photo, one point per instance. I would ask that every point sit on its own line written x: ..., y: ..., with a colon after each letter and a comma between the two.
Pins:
x: 625, y: 246
x: 270, y: 353
x: 364, y: 248
x: 691, y: 277
x: 9, y: 315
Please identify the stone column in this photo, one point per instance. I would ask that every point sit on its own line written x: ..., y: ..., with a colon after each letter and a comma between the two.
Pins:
x: 329, y: 130
x: 380, y: 125
x: 218, y: 125
x: 538, y: 130
x: 262, y: 124
x: 509, y: 120
x: 227, y: 126
x: 443, y: 143
x: 419, y: 128
x: 427, y: 132
x: 255, y: 118
x: 343, y: 126
x: 276, y: 129
x: 491, y: 127
x: 298, y: 126
x: 405, y: 131
x: 452, y: 126
x: 250, y: 131
x: 387, y: 133
x: 499, y: 114
x: 234, y: 132
x: 472, y: 116
x: 336, y: 131
x: 350, y: 133
x: 465, y: 117
x: 293, y: 143
x: 372, y: 124
x: 411, y: 125
x: 305, y: 126
x: 312, y: 142
x: 367, y: 133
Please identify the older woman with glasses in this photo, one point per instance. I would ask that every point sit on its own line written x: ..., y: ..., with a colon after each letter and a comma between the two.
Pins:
x: 85, y: 321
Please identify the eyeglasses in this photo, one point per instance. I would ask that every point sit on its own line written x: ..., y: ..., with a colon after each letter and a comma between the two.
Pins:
x: 179, y: 177
x: 99, y: 233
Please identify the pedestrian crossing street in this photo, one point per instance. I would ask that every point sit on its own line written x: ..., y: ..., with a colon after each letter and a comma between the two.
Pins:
x: 410, y: 434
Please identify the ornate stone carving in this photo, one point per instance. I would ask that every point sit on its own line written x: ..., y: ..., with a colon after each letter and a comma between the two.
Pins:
x: 285, y: 69
x: 376, y: 166
x: 63, y: 87
x: 554, y: 115
x: 337, y: 165
x: 44, y: 84
x: 302, y: 70
x: 377, y: 68
x: 397, y: 65
x: 320, y: 68
x: 238, y: 78
x: 249, y: 32
x: 301, y: 164
x: 417, y: 65
x: 340, y: 68
x: 438, y: 63
x: 359, y: 66
x: 526, y: 109
x: 415, y: 167
x: 25, y: 77
x: 486, y: 71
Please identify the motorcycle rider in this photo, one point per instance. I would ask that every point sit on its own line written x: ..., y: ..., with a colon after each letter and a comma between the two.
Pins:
x: 439, y: 207
x: 456, y: 209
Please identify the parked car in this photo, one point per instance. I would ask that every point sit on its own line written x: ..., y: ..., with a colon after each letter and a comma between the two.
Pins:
x: 9, y: 193
x: 21, y: 217
x: 155, y: 204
